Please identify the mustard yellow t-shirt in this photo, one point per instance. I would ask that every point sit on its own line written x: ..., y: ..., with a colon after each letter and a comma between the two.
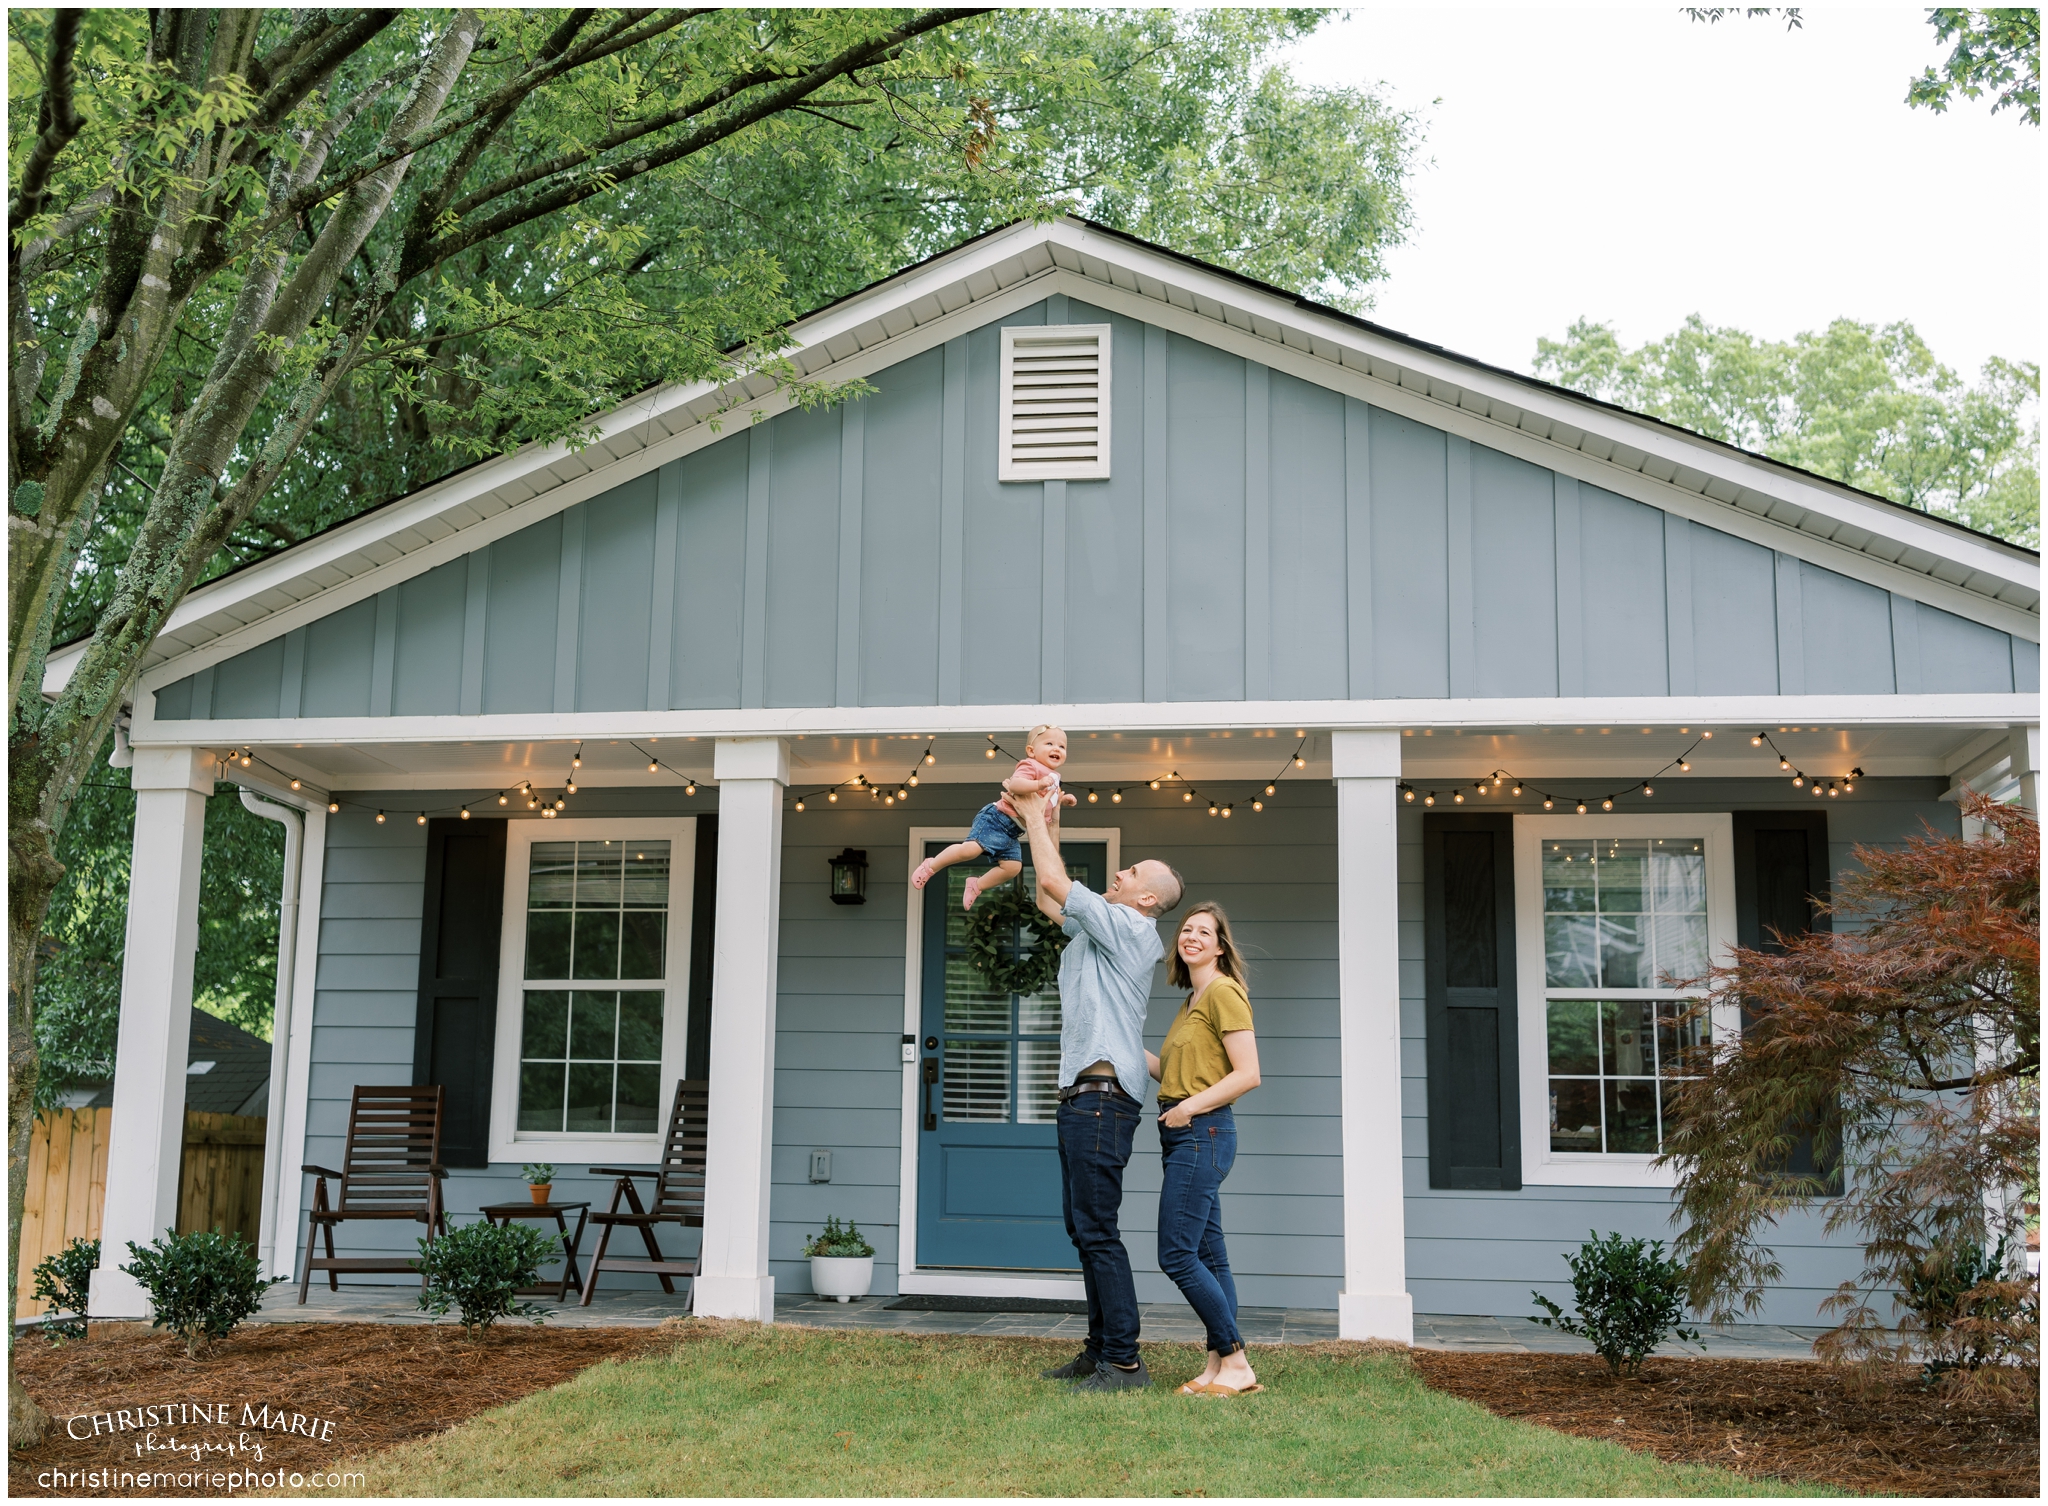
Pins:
x: 1192, y: 1057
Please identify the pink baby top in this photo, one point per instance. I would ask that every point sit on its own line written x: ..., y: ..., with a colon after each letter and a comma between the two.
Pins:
x: 1032, y: 769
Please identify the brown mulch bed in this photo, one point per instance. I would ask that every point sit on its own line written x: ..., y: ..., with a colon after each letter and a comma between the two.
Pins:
x: 1774, y: 1419
x: 376, y: 1384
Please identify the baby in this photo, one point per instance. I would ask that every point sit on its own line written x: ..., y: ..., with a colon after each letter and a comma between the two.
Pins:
x: 996, y: 827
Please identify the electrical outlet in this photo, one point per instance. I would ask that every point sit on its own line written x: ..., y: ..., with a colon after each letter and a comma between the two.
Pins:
x: 821, y: 1165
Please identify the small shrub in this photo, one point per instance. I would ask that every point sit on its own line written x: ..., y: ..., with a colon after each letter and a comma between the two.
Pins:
x: 1629, y: 1296
x: 64, y: 1281
x: 840, y: 1240
x: 201, y: 1285
x: 1968, y: 1304
x: 477, y: 1270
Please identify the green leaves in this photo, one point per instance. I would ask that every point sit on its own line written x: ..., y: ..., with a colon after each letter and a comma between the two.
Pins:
x: 1012, y: 943
x: 1995, y: 52
x: 200, y: 1285
x: 1629, y: 1296
x: 1862, y: 403
x: 476, y: 1270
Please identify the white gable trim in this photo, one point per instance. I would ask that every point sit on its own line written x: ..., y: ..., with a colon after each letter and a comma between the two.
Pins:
x: 992, y: 278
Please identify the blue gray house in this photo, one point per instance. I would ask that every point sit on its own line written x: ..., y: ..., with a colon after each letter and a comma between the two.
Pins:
x: 1485, y: 708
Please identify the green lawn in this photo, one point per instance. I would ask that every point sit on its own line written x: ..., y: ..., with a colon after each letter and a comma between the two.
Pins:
x: 789, y: 1411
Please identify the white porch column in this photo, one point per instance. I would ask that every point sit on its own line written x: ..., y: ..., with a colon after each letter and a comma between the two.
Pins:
x: 733, y: 1279
x: 148, y: 1133
x: 2025, y: 748
x: 1374, y: 1303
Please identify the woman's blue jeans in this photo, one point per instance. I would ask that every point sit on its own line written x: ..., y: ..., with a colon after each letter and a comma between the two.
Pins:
x: 1196, y: 1160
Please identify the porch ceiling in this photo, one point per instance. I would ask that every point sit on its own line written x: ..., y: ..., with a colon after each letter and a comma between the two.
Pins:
x: 1126, y: 758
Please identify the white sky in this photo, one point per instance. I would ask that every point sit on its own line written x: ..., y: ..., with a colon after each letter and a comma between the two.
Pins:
x: 1633, y: 166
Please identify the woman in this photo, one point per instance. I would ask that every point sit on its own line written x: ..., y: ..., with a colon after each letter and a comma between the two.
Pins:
x: 1208, y: 1060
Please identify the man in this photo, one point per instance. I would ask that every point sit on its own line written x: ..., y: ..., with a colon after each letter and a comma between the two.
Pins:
x: 1105, y: 977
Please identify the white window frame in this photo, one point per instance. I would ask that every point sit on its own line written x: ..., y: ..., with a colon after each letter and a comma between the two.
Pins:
x: 1540, y: 1165
x: 1007, y: 468
x: 508, y: 1141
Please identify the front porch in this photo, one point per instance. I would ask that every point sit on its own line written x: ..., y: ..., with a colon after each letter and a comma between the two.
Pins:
x: 800, y: 1010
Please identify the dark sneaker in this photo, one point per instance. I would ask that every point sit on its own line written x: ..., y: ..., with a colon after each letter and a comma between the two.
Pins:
x: 1110, y: 1378
x: 1080, y: 1365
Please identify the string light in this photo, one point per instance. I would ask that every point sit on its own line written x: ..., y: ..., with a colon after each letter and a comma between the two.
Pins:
x: 1647, y: 791
x: 690, y: 788
x: 653, y: 766
x: 1607, y: 805
x: 799, y: 802
x: 1258, y: 805
x: 465, y: 813
x: 1457, y: 797
x: 832, y: 798
x: 1091, y: 797
x: 503, y: 800
x: 420, y: 819
x: 380, y: 818
x: 1406, y: 794
x: 1116, y: 797
x: 1429, y: 799
x: 912, y: 781
x: 1186, y: 796
x: 570, y: 787
x: 576, y: 758
x: 1226, y: 812
x: 928, y: 757
x: 295, y: 784
x: 1546, y: 802
x: 1270, y: 790
x: 1212, y: 807
x: 1582, y: 807
x: 245, y: 758
x: 334, y: 807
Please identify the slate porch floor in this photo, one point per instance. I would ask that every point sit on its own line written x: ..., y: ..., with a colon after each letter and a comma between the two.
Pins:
x: 1162, y: 1322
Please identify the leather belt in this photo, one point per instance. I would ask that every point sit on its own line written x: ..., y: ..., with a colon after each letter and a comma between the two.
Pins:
x: 1091, y: 1085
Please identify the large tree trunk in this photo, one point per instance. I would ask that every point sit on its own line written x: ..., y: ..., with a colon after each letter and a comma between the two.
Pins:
x: 32, y: 875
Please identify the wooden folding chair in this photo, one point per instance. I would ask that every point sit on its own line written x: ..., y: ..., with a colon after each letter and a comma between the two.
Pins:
x: 678, y: 1195
x: 390, y: 1170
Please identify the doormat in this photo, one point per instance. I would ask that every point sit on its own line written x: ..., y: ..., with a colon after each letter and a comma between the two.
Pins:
x: 985, y: 1305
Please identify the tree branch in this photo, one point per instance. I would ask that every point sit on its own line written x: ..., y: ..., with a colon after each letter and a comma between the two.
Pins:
x: 60, y: 122
x: 857, y: 56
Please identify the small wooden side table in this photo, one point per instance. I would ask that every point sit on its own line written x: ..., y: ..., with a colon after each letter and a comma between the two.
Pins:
x: 504, y: 1213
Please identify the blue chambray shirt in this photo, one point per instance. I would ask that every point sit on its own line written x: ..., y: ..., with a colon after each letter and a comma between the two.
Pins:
x: 1105, y: 978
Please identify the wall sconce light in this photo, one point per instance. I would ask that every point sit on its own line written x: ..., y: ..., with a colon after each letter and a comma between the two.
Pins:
x: 850, y: 877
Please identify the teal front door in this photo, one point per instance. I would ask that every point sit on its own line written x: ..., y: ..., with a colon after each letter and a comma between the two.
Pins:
x: 988, y: 1163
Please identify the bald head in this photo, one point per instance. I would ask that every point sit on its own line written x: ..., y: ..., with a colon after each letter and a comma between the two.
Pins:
x: 1163, y: 883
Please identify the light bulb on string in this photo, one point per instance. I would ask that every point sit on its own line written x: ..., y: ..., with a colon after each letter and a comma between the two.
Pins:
x: 1300, y: 762
x: 503, y: 801
x: 576, y: 761
x: 1607, y: 805
x: 1757, y: 741
x: 902, y: 794
x: 1430, y: 798
x: 1816, y: 787
x: 1784, y: 763
x: 1832, y: 791
x: 799, y: 802
x: 570, y: 786
x: 690, y: 788
x: 1546, y: 802
x: 560, y: 802
x: 653, y: 766
x: 1155, y: 784
x: 334, y: 807
x: 465, y: 813
x: 380, y: 818
x: 1582, y: 807
x: 912, y: 781
x: 1212, y: 807
x: 1258, y: 805
x: 1798, y: 780
x: 1116, y: 797
x: 1647, y: 791
x: 295, y: 784
x: 1226, y: 812
x: 888, y: 800
x: 928, y: 758
x: 1457, y: 797
x: 245, y: 758
x: 1186, y: 796
x: 989, y: 751
x: 1707, y: 735
x: 1091, y: 797
x: 1684, y: 767
x: 1408, y: 796
x: 420, y: 819
x: 1270, y: 790
x: 1517, y: 790
x: 832, y: 797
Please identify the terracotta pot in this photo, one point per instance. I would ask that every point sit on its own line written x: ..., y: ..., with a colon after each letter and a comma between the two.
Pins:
x: 540, y: 1190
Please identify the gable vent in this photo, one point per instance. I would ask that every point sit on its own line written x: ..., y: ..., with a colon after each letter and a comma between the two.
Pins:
x: 1054, y: 421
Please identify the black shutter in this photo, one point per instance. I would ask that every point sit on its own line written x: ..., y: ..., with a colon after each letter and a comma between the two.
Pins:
x: 1781, y: 878
x: 1475, y: 1127
x: 703, y: 915
x: 455, y: 1034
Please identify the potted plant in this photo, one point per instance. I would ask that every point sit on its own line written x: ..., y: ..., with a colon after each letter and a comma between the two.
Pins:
x: 842, y: 1261
x: 540, y: 1179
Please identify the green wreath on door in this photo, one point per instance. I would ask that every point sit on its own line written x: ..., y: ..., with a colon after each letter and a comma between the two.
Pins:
x: 991, y: 925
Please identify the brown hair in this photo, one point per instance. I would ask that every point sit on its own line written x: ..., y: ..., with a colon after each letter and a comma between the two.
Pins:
x: 1230, y: 964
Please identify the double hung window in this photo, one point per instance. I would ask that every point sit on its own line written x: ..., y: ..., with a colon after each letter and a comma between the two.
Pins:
x: 1618, y: 920
x: 592, y: 1009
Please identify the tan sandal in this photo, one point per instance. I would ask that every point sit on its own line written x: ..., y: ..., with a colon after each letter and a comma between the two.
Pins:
x: 1217, y: 1388
x: 1193, y: 1388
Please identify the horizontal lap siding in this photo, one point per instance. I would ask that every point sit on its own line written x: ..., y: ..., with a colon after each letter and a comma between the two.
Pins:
x: 839, y: 1023
x: 1372, y: 556
x: 365, y: 1006
x: 1483, y: 1252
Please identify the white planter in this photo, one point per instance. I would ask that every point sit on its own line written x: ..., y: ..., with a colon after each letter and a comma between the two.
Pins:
x: 842, y: 1276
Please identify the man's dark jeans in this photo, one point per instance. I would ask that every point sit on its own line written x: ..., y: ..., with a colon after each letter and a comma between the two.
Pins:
x: 1095, y: 1146
x: 1196, y: 1159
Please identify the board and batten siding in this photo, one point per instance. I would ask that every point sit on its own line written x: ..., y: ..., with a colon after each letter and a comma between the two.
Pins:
x: 1483, y: 1252
x: 1277, y: 539
x: 839, y: 1025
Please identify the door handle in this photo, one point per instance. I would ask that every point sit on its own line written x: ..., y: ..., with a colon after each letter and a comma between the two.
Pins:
x: 931, y: 1077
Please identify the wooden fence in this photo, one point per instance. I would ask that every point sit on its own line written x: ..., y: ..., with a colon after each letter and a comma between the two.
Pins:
x: 220, y: 1182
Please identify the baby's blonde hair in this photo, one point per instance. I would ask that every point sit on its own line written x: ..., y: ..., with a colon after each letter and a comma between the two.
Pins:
x: 1031, y: 738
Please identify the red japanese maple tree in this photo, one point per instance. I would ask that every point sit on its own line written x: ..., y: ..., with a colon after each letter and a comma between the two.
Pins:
x: 1907, y: 1045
